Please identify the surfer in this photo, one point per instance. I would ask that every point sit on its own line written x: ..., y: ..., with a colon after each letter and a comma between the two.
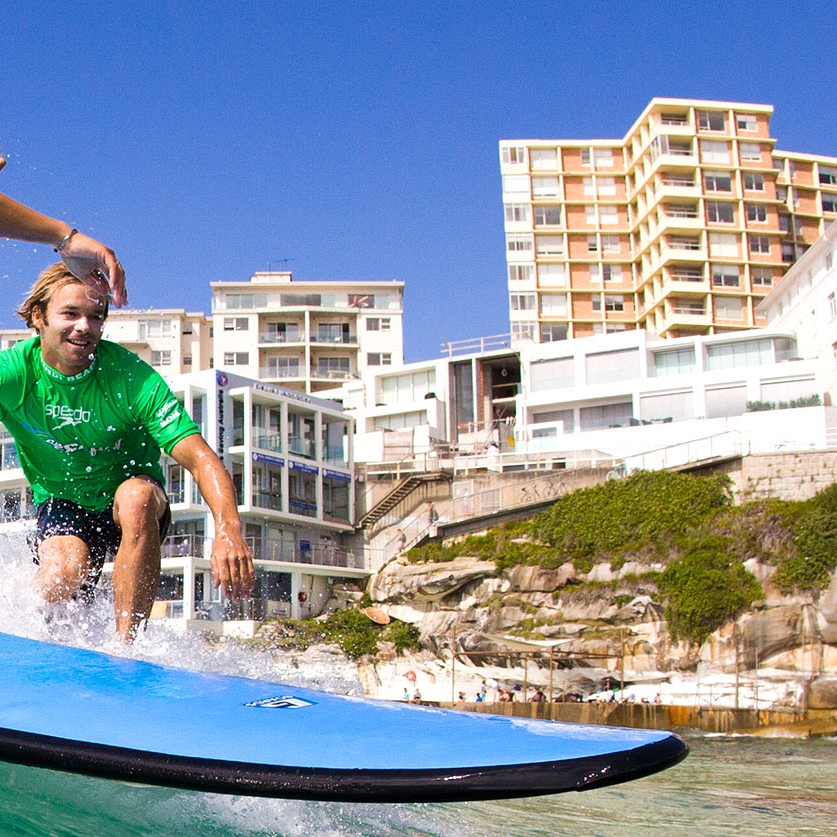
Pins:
x: 86, y: 258
x: 89, y: 418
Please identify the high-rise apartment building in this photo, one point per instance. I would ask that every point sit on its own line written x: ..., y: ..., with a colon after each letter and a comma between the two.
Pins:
x: 680, y: 228
x: 310, y: 336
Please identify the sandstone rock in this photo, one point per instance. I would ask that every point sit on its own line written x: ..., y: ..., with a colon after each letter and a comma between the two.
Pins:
x: 823, y: 693
x: 426, y: 582
x: 538, y: 579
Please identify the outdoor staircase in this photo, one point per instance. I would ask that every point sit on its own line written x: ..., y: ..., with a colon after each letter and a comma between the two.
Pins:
x: 403, y: 488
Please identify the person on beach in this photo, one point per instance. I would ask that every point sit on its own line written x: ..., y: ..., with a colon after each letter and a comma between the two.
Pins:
x: 86, y: 258
x: 89, y: 419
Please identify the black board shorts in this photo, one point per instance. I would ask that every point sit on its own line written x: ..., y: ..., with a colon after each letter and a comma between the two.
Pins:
x: 98, y: 530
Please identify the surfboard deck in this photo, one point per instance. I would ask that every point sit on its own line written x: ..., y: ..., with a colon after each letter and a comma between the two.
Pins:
x: 86, y: 712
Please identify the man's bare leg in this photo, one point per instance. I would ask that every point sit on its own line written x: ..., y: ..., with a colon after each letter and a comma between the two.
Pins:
x: 137, y: 508
x: 63, y: 562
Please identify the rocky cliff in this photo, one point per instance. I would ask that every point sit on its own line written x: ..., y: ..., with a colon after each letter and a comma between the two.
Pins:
x: 583, y: 632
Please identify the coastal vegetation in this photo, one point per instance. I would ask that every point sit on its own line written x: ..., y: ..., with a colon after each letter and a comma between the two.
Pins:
x: 692, y: 542
x: 352, y: 630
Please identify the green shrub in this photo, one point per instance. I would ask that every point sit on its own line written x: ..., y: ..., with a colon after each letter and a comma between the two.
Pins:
x: 403, y: 636
x: 706, y: 586
x: 646, y: 508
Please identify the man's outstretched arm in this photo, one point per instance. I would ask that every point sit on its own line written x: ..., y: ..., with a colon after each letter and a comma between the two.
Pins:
x: 86, y: 258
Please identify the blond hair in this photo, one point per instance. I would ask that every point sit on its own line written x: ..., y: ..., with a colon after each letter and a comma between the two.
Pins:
x: 50, y: 281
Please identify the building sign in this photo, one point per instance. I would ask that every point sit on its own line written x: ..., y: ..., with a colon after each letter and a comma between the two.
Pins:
x: 269, y: 460
x: 337, y: 475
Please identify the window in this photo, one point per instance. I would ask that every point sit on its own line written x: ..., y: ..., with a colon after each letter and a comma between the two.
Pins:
x: 521, y: 272
x: 723, y: 244
x: 667, y: 406
x: 554, y: 305
x: 379, y: 359
x: 611, y: 273
x: 592, y: 244
x: 729, y: 308
x: 674, y: 119
x: 746, y: 122
x: 236, y: 324
x: 332, y: 333
x: 523, y: 302
x: 720, y: 213
x: 556, y: 373
x: 516, y: 242
x: 828, y: 175
x: 608, y: 215
x: 543, y: 159
x: 725, y: 276
x: 333, y: 367
x: 714, y: 152
x: 161, y: 358
x: 711, y: 120
x: 717, y: 181
x: 549, y: 245
x: 585, y: 156
x: 599, y: 186
x: 236, y: 358
x: 514, y: 184
x: 517, y: 212
x: 678, y: 362
x: 759, y: 243
x: 551, y: 275
x: 750, y: 151
x: 544, y: 187
x: 547, y: 215
x: 614, y: 302
x: 378, y: 324
x: 753, y: 182
x: 603, y: 157
x: 553, y: 332
x: 241, y: 301
x: 611, y: 244
x: 283, y: 367
x: 756, y: 212
x: 514, y: 154
x: 605, y: 416
x: 762, y: 277
x: 281, y: 333
x: 832, y: 305
x: 523, y: 331
x: 829, y: 201
x: 726, y: 401
x: 300, y: 300
x: 606, y: 273
x: 154, y: 328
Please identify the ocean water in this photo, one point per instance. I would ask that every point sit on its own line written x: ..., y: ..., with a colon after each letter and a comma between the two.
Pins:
x: 727, y: 785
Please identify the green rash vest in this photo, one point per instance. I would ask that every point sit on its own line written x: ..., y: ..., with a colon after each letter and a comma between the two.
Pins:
x: 80, y: 437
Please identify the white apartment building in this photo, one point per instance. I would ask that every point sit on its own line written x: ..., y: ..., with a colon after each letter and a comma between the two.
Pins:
x: 310, y: 336
x: 680, y: 227
x: 805, y: 303
x: 630, y: 395
x: 171, y: 340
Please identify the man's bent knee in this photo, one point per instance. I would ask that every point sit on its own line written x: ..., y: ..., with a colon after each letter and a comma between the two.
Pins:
x: 63, y: 565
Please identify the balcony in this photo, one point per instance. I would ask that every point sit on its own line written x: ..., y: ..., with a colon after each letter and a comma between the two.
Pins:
x: 273, y: 338
x: 334, y: 339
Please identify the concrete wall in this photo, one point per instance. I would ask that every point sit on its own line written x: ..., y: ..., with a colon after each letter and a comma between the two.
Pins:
x: 787, y: 476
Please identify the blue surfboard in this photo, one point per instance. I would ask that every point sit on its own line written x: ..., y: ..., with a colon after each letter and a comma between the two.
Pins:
x: 81, y: 711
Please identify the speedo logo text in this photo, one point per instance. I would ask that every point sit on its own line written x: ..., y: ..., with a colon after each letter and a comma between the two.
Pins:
x: 67, y: 416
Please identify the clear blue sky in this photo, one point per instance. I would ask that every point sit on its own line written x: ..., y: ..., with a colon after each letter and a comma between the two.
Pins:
x: 207, y: 140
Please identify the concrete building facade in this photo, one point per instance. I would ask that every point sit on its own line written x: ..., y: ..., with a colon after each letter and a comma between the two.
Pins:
x: 310, y: 336
x: 680, y: 228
